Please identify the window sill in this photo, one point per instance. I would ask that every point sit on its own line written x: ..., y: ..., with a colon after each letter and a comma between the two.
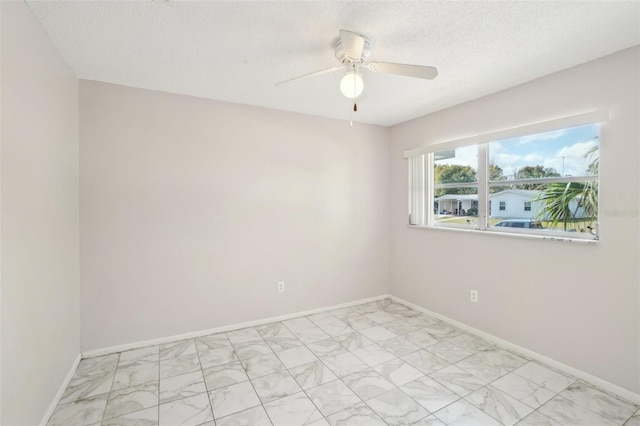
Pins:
x: 508, y: 234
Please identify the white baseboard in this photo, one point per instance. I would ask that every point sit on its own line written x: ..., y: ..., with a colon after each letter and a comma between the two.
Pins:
x: 223, y: 329
x: 63, y: 387
x: 605, y: 385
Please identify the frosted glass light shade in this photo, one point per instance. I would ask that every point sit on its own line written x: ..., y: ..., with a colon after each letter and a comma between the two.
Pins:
x: 351, y: 84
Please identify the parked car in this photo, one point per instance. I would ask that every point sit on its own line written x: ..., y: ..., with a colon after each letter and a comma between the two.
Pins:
x: 520, y: 223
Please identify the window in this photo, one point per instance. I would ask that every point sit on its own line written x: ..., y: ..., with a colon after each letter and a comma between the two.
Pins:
x: 551, y: 169
x: 455, y: 184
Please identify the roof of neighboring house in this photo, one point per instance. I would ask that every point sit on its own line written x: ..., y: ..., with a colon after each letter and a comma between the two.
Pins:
x: 531, y: 193
x: 525, y: 192
x: 460, y: 197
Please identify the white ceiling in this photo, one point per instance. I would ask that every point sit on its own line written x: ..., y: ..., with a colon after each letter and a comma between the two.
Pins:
x: 236, y: 51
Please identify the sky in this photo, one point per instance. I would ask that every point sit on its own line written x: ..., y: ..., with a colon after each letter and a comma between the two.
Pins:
x: 562, y: 150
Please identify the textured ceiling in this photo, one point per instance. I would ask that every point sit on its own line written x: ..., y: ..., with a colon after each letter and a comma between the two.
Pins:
x: 236, y: 51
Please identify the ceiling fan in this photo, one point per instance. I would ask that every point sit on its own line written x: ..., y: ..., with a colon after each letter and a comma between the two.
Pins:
x: 353, y: 50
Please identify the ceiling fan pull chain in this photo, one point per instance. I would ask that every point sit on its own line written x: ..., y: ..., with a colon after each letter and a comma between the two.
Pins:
x: 351, y: 119
x: 355, y: 106
x: 355, y: 91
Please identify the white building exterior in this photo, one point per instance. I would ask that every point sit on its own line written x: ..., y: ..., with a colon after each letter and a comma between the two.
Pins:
x: 520, y: 204
x: 455, y: 203
x: 507, y: 204
x: 515, y: 204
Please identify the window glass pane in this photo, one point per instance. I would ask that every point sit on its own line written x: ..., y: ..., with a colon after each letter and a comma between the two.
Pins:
x: 455, y: 166
x: 558, y: 206
x: 565, y: 152
x: 457, y: 209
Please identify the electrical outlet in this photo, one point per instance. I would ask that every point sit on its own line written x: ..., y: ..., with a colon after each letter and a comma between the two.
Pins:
x: 473, y: 296
x: 280, y: 286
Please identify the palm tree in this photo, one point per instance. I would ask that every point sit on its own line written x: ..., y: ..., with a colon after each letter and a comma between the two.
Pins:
x: 558, y: 198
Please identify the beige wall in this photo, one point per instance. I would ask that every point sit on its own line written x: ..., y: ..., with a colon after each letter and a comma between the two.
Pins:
x: 193, y: 209
x: 575, y: 303
x: 39, y: 184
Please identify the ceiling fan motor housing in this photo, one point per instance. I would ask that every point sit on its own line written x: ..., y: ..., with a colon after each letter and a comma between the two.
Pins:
x: 342, y: 57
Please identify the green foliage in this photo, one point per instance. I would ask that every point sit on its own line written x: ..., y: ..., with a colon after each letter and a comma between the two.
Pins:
x: 454, y: 173
x: 559, y: 197
x: 496, y: 172
x: 449, y: 173
x: 594, y: 165
x: 538, y: 171
x: 534, y: 172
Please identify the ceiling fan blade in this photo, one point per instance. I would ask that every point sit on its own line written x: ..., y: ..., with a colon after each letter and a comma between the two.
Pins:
x: 417, y: 71
x: 313, y: 74
x: 352, y: 44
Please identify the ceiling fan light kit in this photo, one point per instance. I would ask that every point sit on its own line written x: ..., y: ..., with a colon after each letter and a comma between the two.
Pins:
x: 351, y: 84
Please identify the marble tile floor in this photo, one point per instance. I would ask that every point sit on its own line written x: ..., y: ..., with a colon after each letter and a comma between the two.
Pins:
x: 378, y: 363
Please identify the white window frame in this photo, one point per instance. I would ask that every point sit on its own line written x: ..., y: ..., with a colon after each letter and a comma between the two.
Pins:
x: 423, y: 157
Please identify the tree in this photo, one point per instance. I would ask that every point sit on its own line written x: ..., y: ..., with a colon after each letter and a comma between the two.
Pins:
x: 496, y: 173
x: 534, y: 172
x: 454, y: 173
x: 559, y: 197
x: 594, y: 165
